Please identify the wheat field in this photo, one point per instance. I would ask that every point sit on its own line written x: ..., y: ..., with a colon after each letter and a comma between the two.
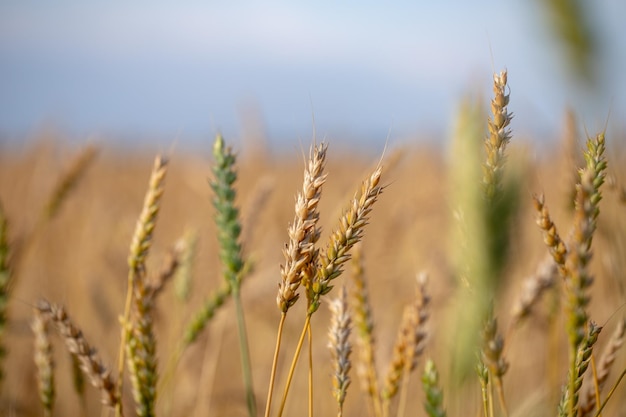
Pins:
x: 68, y: 243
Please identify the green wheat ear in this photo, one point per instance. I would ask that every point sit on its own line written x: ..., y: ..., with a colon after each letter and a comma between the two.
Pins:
x: 433, y: 392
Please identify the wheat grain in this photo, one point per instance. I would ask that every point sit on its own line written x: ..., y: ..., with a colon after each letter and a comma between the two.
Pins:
x: 340, y: 347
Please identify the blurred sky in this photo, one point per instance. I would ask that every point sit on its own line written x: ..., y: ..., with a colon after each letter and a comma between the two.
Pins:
x: 364, y: 69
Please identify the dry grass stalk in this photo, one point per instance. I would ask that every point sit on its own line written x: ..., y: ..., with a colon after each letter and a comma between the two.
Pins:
x: 90, y: 364
x: 366, y: 341
x: 44, y: 362
x: 569, y: 400
x: 351, y: 228
x: 300, y: 252
x: 69, y: 180
x: 589, y: 399
x: 340, y: 347
x: 408, y: 347
x: 544, y: 278
x: 499, y: 137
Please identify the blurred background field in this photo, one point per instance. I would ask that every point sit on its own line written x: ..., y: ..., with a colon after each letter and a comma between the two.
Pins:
x: 78, y: 258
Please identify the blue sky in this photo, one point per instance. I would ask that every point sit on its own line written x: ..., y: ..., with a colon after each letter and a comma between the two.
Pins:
x: 364, y: 69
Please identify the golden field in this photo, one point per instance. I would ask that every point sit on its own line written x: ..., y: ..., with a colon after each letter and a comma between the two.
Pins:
x: 78, y: 258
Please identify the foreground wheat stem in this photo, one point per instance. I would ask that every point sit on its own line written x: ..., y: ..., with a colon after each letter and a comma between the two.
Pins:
x: 294, y: 362
x: 139, y: 248
x: 300, y: 252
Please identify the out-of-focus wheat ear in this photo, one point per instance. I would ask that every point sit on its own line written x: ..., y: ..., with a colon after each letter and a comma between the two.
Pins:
x: 141, y: 349
x: 186, y: 247
x: 142, y: 238
x: 340, y: 347
x: 300, y: 251
x: 616, y: 187
x: 168, y: 270
x: 78, y: 381
x: 492, y: 354
x: 579, y: 279
x: 139, y: 248
x: 433, y: 392
x: 99, y: 376
x: 5, y: 280
x: 350, y: 231
x: 365, y: 341
x: 408, y: 347
x: 499, y: 137
x: 551, y: 237
x: 206, y: 313
x: 568, y: 405
x: 44, y: 362
x: 69, y: 180
x: 544, y: 278
x: 590, y: 398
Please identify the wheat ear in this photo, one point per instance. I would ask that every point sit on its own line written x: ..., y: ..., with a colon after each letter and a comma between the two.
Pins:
x: 350, y: 232
x: 568, y: 405
x: 139, y: 248
x: 433, y: 392
x: 227, y: 220
x: 76, y: 343
x: 592, y: 393
x: 340, y: 347
x: 300, y: 252
x: 499, y: 136
x: 544, y: 278
x: 366, y: 341
x: 492, y: 355
x: 44, y: 362
x: 69, y: 179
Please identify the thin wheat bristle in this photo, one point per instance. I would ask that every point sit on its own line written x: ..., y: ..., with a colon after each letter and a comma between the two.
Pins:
x: 44, y: 362
x: 340, y: 347
x: 366, y: 341
x: 499, y: 136
x: 300, y: 252
x: 350, y: 232
x: 68, y: 181
x: 99, y: 376
x: 534, y: 286
x: 605, y: 364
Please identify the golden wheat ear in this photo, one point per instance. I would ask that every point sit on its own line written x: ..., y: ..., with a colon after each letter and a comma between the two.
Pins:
x: 340, y: 347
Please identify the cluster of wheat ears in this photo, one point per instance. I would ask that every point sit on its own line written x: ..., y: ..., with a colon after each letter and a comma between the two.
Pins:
x: 311, y: 270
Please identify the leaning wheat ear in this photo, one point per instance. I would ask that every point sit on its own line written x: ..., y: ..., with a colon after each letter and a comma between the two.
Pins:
x: 99, y: 376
